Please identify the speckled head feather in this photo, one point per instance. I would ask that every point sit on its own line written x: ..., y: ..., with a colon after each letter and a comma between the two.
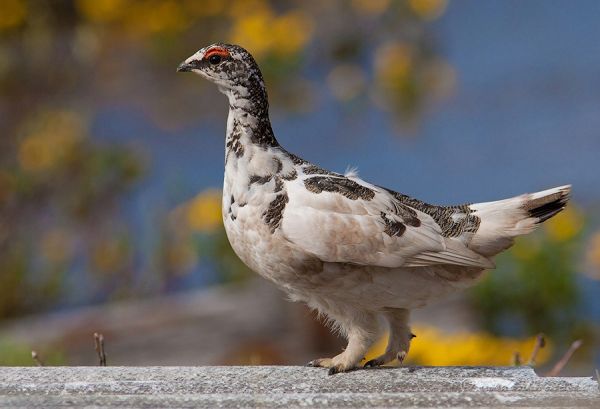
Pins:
x: 235, y: 72
x: 229, y: 66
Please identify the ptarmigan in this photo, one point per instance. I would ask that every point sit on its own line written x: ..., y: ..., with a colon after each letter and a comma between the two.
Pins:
x: 359, y: 253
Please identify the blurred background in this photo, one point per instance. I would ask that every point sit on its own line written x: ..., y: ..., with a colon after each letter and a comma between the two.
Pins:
x: 111, y: 166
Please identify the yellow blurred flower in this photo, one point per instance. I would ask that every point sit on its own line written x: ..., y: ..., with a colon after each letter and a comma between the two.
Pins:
x: 428, y: 9
x: 204, y: 8
x: 103, y: 11
x: 261, y: 32
x: 13, y: 14
x: 565, y: 225
x: 181, y: 256
x: 393, y: 63
x: 49, y: 140
x: 163, y: 15
x: 204, y: 211
x: 372, y: 7
x: 434, y: 347
x: 593, y: 256
x: 241, y: 8
x: 253, y: 32
x: 35, y: 154
x: 109, y: 255
x: 291, y: 32
x: 142, y: 17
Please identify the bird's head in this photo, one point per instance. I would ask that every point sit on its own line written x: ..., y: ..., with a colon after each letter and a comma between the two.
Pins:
x: 229, y: 66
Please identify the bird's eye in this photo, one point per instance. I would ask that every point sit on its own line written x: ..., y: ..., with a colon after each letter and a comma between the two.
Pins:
x: 214, y: 59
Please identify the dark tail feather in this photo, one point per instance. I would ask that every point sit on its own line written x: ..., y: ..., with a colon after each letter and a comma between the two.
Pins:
x: 548, y: 203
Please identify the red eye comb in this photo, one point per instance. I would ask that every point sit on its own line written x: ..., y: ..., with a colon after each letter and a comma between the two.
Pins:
x: 217, y: 51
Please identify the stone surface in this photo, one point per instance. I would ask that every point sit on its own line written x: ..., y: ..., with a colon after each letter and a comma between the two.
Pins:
x: 290, y: 387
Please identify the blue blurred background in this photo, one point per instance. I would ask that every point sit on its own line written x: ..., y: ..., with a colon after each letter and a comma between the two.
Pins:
x: 111, y: 163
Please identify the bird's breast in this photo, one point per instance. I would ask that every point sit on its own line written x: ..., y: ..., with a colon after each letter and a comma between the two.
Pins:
x: 249, y: 221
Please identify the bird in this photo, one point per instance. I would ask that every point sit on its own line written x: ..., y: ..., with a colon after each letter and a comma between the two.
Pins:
x: 361, y: 255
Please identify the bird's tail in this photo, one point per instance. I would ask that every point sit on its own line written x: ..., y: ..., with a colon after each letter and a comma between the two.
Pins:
x: 503, y: 220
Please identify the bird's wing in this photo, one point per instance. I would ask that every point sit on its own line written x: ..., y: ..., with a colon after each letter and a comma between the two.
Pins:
x: 344, y: 219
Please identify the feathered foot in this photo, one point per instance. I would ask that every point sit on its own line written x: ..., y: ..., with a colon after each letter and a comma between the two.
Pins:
x: 399, y: 340
x: 358, y: 344
x: 384, y: 359
x: 337, y: 364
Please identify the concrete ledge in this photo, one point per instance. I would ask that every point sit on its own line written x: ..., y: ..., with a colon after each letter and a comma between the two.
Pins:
x: 289, y: 387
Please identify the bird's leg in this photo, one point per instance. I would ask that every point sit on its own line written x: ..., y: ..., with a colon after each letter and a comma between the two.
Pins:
x: 399, y: 340
x: 359, y: 343
x: 362, y: 331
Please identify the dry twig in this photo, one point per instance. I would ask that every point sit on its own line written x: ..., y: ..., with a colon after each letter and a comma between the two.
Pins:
x: 562, y: 362
x: 36, y: 358
x: 99, y: 346
x: 517, y: 359
x: 540, y: 342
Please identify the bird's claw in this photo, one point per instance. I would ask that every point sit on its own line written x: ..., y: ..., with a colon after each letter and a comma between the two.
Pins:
x: 373, y: 363
x: 383, y: 359
x: 339, y: 369
x: 328, y: 363
x: 334, y: 369
x: 320, y: 363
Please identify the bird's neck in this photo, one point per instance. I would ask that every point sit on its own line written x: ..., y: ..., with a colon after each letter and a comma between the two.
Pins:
x: 250, y: 145
x: 248, y: 125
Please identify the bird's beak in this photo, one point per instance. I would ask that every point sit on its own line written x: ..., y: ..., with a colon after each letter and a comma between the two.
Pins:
x: 188, y: 66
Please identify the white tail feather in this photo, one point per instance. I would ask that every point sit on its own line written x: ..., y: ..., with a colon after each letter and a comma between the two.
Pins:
x: 503, y: 220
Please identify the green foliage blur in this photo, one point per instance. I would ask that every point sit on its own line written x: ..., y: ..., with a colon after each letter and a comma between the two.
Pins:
x: 17, y: 354
x: 534, y: 288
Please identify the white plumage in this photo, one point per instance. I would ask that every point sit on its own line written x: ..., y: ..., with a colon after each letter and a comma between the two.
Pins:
x: 361, y: 254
